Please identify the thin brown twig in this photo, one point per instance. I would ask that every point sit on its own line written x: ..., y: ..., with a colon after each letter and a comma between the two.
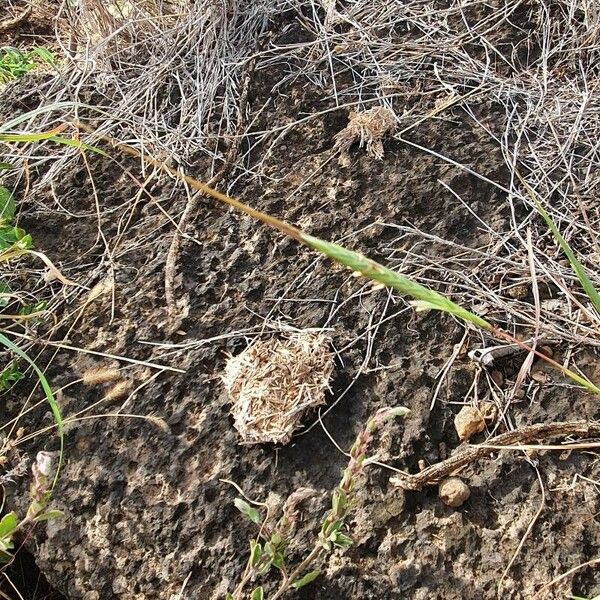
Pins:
x: 589, y: 563
x: 432, y: 475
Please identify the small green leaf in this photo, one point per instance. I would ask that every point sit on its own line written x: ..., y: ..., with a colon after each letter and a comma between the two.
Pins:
x: 14, y: 236
x: 278, y: 560
x: 276, y: 539
x: 255, y: 553
x: 8, y: 524
x: 10, y: 375
x: 339, y: 501
x: 228, y: 596
x: 329, y: 528
x: 341, y: 540
x: 51, y: 514
x: 7, y: 205
x: 29, y: 309
x: 6, y: 543
x: 258, y: 594
x: 6, y: 166
x: 311, y: 576
x: 247, y: 510
x: 269, y: 550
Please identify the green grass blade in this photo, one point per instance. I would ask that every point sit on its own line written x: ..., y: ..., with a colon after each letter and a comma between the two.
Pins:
x: 77, y: 144
x: 425, y: 299
x: 49, y: 396
x: 48, y: 136
x: 584, y: 280
x: 38, y: 111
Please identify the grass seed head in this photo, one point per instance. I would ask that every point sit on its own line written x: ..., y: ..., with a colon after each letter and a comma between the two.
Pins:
x: 99, y: 375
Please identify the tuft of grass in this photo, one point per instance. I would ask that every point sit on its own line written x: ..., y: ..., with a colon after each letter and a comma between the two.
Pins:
x: 15, y: 63
x: 577, y: 267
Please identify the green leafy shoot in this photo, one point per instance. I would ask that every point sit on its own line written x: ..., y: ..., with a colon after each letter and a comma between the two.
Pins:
x: 8, y: 524
x: 30, y: 309
x: 7, y: 206
x: 10, y: 375
x: 11, y: 237
x: 15, y: 63
x: 247, y: 510
x: 49, y: 396
x: 47, y: 516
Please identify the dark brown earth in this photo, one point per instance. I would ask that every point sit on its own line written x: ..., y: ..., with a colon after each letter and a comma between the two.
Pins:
x: 146, y: 511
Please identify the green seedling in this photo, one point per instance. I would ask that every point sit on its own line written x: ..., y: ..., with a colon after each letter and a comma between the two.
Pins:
x: 39, y: 496
x: 10, y: 375
x: 15, y: 63
x: 269, y: 549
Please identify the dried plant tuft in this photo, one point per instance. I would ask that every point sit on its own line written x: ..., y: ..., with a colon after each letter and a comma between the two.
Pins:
x: 273, y: 383
x: 368, y: 129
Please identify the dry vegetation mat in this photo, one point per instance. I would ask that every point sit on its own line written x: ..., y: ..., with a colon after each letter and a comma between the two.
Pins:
x: 445, y: 153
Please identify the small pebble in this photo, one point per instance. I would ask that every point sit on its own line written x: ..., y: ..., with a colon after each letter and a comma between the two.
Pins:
x: 469, y: 422
x: 454, y: 492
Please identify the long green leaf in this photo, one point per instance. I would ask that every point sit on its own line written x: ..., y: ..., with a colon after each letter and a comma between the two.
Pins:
x: 584, y: 280
x: 49, y: 396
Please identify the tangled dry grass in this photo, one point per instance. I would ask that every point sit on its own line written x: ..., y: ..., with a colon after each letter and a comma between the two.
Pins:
x: 273, y: 383
x: 169, y: 76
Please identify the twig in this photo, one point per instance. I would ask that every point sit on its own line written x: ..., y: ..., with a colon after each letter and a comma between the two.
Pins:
x: 589, y: 563
x: 432, y: 475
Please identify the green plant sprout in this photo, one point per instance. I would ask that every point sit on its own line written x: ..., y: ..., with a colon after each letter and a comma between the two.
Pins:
x: 39, y: 496
x: 268, y: 550
x: 15, y: 63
